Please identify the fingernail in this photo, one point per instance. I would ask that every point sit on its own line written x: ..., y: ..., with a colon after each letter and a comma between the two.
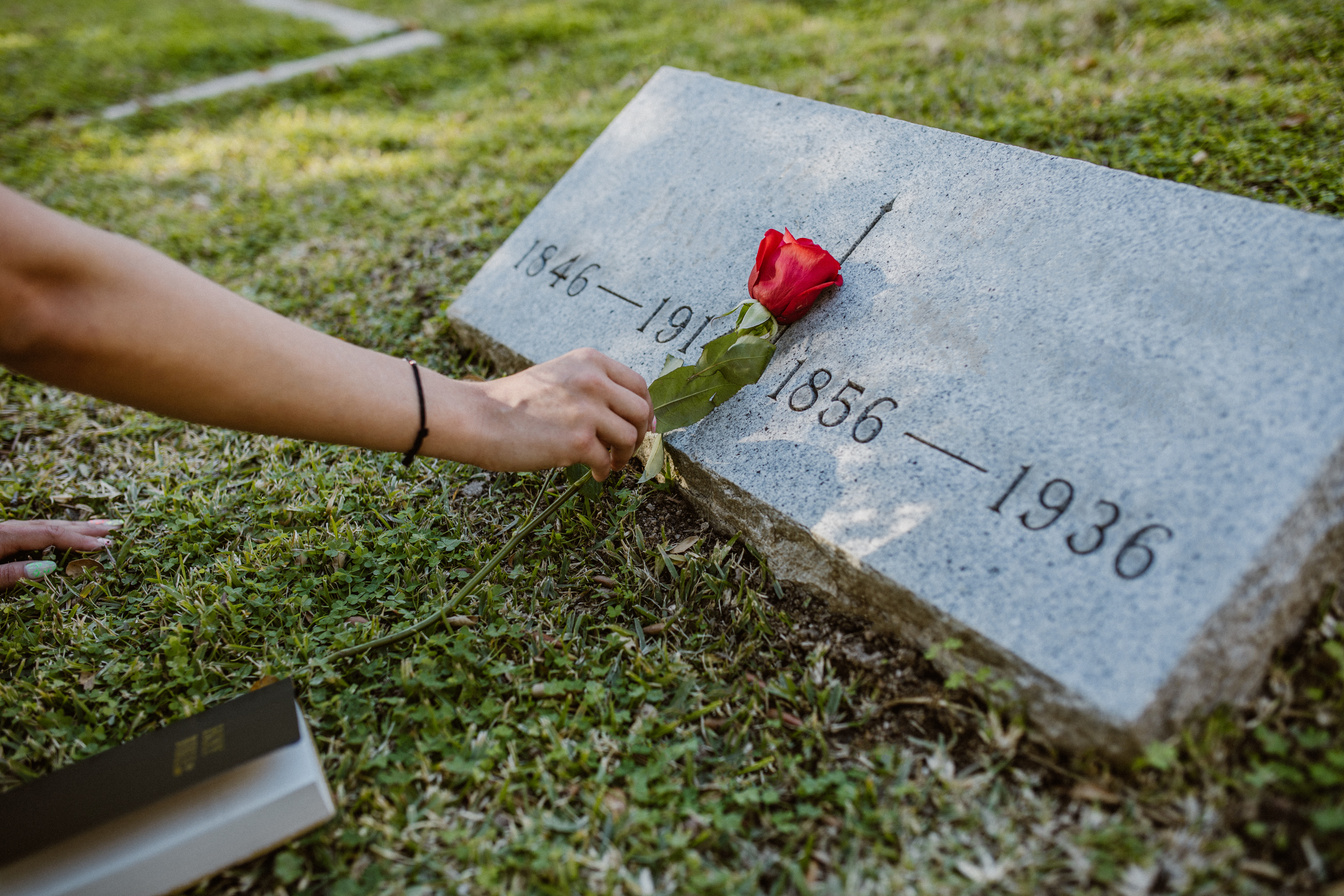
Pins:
x: 111, y: 524
x: 38, y: 568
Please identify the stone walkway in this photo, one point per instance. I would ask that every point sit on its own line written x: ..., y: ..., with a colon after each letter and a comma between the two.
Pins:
x: 351, y: 24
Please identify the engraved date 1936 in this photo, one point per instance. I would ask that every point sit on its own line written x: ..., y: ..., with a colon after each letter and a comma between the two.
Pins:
x: 1055, y: 498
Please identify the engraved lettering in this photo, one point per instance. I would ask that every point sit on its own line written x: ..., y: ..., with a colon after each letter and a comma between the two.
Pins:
x: 649, y: 319
x: 1128, y: 570
x: 812, y: 387
x: 701, y: 329
x: 539, y: 263
x: 535, y: 244
x: 561, y: 271
x: 1101, y: 530
x: 839, y: 399
x: 1016, y: 482
x: 869, y: 417
x: 797, y: 367
x: 677, y: 325
x: 580, y: 281
x: 1058, y: 507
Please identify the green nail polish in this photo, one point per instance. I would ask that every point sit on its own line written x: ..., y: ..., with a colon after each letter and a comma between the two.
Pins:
x: 39, y: 568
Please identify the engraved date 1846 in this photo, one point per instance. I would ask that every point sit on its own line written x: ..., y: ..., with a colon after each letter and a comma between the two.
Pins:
x: 576, y: 275
x: 578, y: 280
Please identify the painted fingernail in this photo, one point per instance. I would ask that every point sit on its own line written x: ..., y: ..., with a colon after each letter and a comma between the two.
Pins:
x: 38, y: 568
x: 111, y: 524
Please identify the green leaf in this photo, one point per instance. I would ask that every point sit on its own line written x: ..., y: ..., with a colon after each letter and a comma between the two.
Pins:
x: 686, y: 396
x: 1159, y: 755
x: 657, y: 458
x: 951, y: 645
x: 744, y: 361
x: 670, y: 363
x: 714, y: 350
x: 679, y: 400
x: 1274, y: 743
x: 288, y: 866
x: 753, y: 315
x: 727, y: 392
x: 1329, y: 820
x: 739, y: 309
x: 1324, y: 775
x: 1336, y: 652
x: 592, y: 489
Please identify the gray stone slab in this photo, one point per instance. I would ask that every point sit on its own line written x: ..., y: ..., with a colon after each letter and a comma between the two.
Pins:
x: 1030, y: 331
x: 670, y: 202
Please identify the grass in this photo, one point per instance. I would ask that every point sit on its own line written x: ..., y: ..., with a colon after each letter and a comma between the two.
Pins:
x: 62, y: 56
x: 565, y: 742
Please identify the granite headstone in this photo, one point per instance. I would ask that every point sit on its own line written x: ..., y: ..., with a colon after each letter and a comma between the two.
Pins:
x: 1087, y: 422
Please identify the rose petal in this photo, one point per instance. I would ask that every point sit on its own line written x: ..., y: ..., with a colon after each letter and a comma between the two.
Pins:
x: 769, y: 243
x: 789, y: 274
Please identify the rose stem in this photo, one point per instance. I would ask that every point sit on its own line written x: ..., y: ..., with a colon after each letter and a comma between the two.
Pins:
x: 470, y: 585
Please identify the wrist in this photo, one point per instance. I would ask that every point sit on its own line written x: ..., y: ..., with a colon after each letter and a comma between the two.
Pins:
x: 421, y: 431
x: 459, y: 416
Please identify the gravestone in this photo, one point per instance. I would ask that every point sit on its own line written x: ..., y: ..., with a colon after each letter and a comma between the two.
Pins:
x: 1086, y: 422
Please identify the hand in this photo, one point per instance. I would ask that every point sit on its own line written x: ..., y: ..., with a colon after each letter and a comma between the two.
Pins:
x: 582, y: 407
x: 35, y: 535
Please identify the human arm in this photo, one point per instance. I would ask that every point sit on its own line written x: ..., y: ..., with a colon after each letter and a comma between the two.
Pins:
x: 98, y: 313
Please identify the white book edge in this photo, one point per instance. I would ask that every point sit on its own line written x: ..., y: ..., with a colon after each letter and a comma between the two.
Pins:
x: 180, y: 839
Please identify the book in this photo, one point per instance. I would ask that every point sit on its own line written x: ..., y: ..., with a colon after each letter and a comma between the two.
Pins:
x: 170, y: 807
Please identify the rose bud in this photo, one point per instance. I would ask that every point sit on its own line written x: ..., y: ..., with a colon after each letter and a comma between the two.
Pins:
x: 789, y: 274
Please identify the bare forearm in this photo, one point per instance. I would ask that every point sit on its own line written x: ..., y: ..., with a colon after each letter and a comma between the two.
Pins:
x: 97, y: 313
x: 102, y: 314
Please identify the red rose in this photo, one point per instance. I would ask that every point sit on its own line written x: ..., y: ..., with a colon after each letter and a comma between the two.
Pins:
x: 789, y: 274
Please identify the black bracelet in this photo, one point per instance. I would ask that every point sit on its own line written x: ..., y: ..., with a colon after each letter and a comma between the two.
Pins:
x: 419, y: 436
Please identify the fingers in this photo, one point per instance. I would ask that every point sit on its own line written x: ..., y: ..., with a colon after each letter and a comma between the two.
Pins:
x: 35, y: 535
x: 630, y: 409
x: 639, y: 410
x: 641, y: 414
x: 13, y: 573
x: 620, y: 437
x: 599, y: 461
x: 582, y: 407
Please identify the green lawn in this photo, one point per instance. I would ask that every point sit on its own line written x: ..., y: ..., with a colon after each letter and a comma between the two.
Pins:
x: 62, y: 56
x: 754, y: 742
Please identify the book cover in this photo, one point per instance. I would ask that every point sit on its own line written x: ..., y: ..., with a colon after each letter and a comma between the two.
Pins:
x: 87, y: 793
x: 225, y: 795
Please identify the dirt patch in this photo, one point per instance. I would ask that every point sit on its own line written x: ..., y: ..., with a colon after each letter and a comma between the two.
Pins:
x: 664, y: 515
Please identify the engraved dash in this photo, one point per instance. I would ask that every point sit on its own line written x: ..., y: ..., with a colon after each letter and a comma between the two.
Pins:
x: 619, y: 296
x: 948, y: 453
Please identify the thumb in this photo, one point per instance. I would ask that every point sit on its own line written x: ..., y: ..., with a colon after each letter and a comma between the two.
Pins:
x: 13, y: 573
